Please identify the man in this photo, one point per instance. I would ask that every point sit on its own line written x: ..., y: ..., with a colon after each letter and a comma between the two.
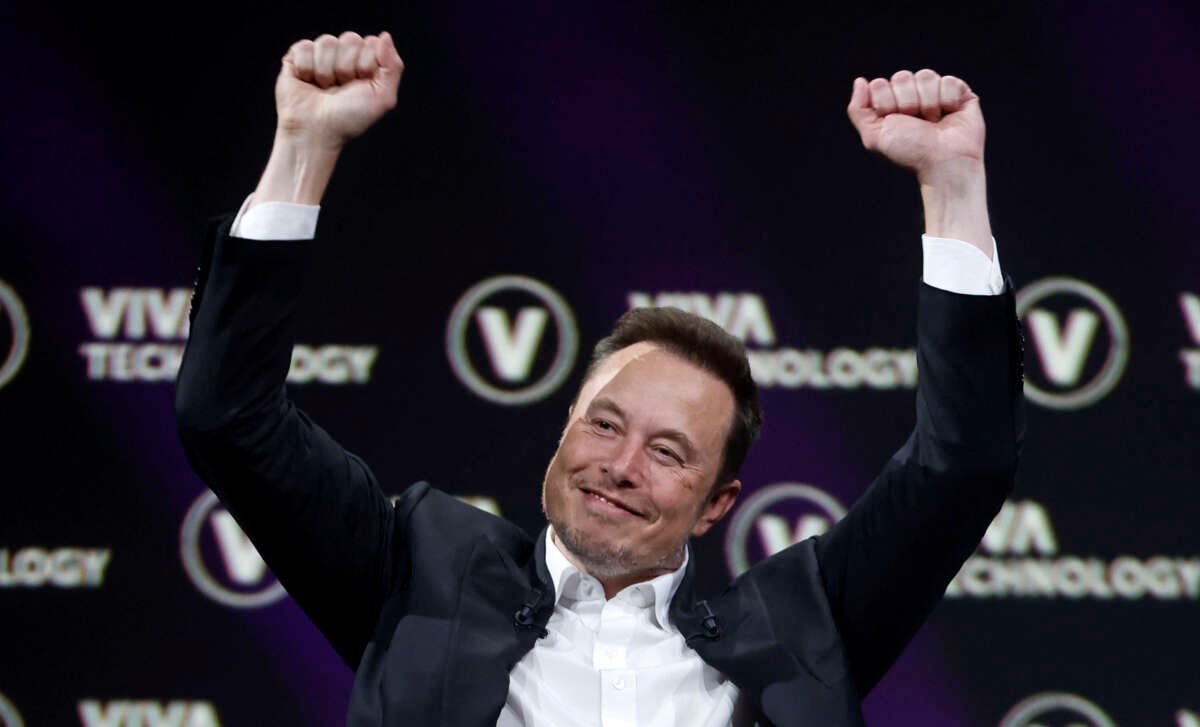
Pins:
x: 452, y: 616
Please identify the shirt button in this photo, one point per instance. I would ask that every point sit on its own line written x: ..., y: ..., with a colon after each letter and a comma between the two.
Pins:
x: 618, y: 683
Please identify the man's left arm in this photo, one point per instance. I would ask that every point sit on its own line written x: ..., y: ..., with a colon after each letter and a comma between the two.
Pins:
x: 887, y: 563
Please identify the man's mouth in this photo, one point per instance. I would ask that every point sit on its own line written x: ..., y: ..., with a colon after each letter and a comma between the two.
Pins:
x: 610, y: 500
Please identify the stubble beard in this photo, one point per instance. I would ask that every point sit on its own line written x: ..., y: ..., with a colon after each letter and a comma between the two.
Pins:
x: 604, y: 559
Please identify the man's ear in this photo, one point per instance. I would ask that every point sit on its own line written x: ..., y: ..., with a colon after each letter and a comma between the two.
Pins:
x: 717, y: 504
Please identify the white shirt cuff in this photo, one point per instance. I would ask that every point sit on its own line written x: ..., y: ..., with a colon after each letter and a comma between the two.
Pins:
x: 960, y: 267
x: 275, y: 221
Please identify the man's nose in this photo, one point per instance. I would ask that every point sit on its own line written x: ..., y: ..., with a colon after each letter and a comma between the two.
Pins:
x: 627, y: 463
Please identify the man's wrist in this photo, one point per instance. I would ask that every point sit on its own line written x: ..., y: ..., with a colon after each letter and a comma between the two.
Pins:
x: 298, y: 171
x: 954, y: 195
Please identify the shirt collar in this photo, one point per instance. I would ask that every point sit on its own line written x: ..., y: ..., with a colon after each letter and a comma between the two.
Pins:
x: 661, y: 588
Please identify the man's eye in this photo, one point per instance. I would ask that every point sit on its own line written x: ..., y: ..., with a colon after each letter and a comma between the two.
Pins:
x: 603, y: 424
x: 670, y: 454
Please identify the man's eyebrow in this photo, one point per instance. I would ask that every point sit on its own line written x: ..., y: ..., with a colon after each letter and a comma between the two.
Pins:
x: 603, y: 402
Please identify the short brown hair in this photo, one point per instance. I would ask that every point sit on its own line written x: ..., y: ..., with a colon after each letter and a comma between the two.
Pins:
x: 710, y: 347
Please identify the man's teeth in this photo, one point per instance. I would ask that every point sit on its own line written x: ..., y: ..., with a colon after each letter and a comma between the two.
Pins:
x: 602, y: 498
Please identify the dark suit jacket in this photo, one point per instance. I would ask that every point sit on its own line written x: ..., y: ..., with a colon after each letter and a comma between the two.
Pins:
x: 434, y: 601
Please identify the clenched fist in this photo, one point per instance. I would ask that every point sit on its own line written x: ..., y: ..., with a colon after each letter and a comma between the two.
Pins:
x: 923, y: 121
x: 330, y: 90
x: 932, y: 125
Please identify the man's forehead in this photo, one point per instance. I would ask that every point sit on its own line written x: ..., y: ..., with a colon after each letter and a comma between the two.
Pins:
x: 608, y: 370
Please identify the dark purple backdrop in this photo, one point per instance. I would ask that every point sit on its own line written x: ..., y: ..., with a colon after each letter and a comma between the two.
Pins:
x: 603, y: 150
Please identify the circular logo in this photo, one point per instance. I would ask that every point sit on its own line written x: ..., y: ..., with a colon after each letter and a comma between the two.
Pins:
x: 9, y: 716
x: 1079, y: 361
x: 497, y: 339
x: 1056, y: 709
x: 248, y: 583
x: 775, y: 517
x: 18, y: 324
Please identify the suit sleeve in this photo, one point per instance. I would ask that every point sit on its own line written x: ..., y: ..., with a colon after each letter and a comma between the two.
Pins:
x: 886, y: 565
x: 314, y: 511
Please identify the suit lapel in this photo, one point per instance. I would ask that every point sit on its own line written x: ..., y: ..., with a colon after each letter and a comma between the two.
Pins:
x: 502, y: 611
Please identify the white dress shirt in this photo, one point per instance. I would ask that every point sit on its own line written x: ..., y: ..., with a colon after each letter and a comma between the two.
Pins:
x: 615, y: 662
x: 620, y: 662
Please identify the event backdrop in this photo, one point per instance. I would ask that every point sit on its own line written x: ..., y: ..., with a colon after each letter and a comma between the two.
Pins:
x: 548, y: 167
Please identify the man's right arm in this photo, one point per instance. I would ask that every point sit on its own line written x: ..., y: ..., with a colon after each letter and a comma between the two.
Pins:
x: 314, y: 511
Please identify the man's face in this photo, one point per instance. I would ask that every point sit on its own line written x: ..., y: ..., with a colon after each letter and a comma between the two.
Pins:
x: 632, y: 478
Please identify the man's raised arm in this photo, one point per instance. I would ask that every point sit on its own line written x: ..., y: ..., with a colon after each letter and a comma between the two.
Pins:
x: 314, y: 511
x: 888, y: 562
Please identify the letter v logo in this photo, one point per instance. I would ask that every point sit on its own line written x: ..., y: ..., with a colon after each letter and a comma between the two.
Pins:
x: 768, y: 514
x: 240, y: 579
x: 1070, y: 373
x: 1063, y: 352
x: 510, y: 348
x: 519, y: 367
x: 775, y: 535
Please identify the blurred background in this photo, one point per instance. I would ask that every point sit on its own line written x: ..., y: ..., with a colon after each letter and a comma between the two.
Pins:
x: 548, y: 166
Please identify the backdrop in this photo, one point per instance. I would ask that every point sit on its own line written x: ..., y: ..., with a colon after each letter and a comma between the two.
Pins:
x: 548, y: 167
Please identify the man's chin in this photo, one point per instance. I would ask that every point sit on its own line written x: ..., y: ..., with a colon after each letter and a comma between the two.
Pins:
x: 598, y: 557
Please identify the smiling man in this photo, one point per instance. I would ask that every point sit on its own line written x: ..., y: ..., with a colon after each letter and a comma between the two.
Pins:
x: 451, y: 616
x: 642, y: 463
